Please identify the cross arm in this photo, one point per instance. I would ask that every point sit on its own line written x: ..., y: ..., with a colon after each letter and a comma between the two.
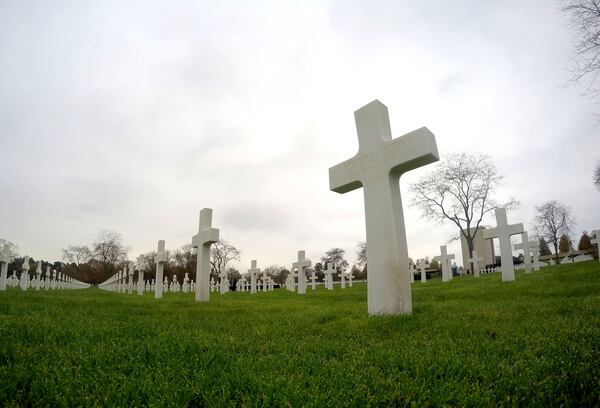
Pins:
x: 343, y: 177
x: 415, y: 149
x: 490, y: 233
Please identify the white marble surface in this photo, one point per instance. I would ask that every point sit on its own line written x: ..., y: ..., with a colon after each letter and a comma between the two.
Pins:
x: 377, y: 168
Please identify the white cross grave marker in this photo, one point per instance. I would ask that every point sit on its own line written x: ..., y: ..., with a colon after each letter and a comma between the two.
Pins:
x: 313, y: 279
x: 525, y: 245
x: 186, y: 283
x: 423, y: 274
x: 292, y: 279
x: 159, y: 260
x: 300, y: 264
x: 253, y: 271
x: 223, y: 283
x: 47, y: 278
x: 445, y: 261
x: 265, y: 279
x: 130, y: 287
x: 202, y: 240
x: 377, y: 168
x: 25, y: 274
x: 342, y: 277
x: 503, y: 232
x: 329, y: 271
x: 38, y: 276
x: 475, y: 261
x: 141, y: 266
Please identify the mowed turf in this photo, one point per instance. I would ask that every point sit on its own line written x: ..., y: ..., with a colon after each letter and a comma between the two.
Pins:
x: 475, y: 342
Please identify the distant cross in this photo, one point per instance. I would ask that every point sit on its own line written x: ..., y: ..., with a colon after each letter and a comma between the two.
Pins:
x: 47, y: 278
x: 596, y: 241
x: 160, y: 259
x: 411, y: 273
x: 445, y: 261
x: 475, y: 261
x: 377, y: 168
x: 342, y: 277
x: 131, y: 272
x: 293, y: 274
x: 526, y: 246
x: 253, y: 271
x: 25, y: 274
x: 121, y: 283
x: 265, y: 279
x: 350, y: 277
x: 141, y: 266
x: 503, y: 232
x: 124, y: 275
x: 313, y: 279
x: 300, y: 264
x: 290, y: 280
x: 223, y: 283
x: 423, y: 274
x: 329, y: 271
x: 38, y: 276
x: 202, y: 240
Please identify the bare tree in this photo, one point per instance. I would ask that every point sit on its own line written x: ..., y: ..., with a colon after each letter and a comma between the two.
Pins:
x: 597, y: 177
x: 77, y: 254
x: 108, y: 249
x: 184, y: 259
x: 460, y: 189
x: 553, y: 220
x: 277, y: 273
x: 221, y: 253
x: 584, y: 16
x: 361, y: 253
x: 336, y: 256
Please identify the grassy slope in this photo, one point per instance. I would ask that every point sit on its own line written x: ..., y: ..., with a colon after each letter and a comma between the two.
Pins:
x: 469, y: 342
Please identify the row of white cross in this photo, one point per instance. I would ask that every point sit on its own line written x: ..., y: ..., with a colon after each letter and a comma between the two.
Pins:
x: 51, y: 279
x: 123, y: 281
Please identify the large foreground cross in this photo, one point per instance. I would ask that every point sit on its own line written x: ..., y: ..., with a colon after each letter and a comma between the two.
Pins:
x: 503, y: 232
x: 377, y: 168
x: 202, y: 240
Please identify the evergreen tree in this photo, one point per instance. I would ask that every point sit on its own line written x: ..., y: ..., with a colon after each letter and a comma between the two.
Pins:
x: 585, y: 243
x: 544, y: 249
x: 564, y: 244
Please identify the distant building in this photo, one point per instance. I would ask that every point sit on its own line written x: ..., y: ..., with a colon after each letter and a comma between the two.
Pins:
x: 484, y: 248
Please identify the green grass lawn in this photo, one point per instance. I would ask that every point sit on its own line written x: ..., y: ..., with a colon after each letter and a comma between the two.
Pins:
x: 475, y: 342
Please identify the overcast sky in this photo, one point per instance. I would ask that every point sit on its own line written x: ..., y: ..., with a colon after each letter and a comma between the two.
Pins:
x: 132, y: 116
